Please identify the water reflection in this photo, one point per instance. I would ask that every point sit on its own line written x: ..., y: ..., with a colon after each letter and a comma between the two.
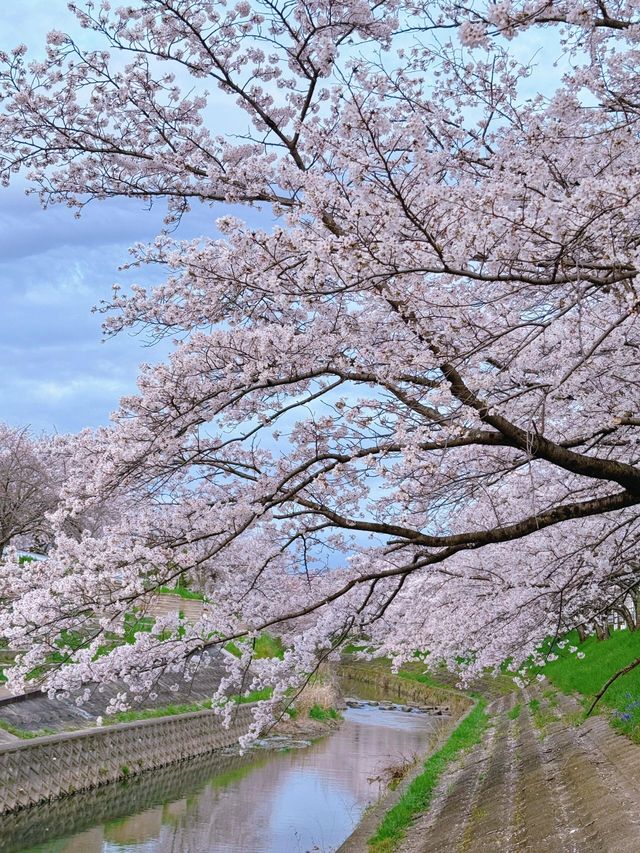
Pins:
x: 283, y: 802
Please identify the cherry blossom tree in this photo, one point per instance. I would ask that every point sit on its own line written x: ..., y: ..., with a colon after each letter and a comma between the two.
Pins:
x: 27, y: 490
x: 405, y: 404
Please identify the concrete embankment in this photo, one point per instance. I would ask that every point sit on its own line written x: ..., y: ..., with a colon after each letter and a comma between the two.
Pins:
x: 405, y: 690
x: 40, y: 824
x: 539, y: 781
x: 45, y: 768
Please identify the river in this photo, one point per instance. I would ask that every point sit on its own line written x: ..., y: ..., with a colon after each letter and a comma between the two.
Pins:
x: 271, y: 800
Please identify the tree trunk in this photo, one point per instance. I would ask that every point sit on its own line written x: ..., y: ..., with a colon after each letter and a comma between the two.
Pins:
x: 627, y: 615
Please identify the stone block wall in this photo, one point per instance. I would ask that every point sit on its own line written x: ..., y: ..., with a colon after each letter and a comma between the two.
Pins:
x: 45, y: 768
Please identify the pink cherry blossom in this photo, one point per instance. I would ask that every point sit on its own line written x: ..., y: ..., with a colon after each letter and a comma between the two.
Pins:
x: 405, y: 407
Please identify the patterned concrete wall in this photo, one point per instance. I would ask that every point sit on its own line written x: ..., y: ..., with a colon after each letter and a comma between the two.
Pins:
x: 49, y: 767
x: 39, y: 824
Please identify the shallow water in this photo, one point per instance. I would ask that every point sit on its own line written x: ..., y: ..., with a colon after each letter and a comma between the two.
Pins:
x: 290, y: 801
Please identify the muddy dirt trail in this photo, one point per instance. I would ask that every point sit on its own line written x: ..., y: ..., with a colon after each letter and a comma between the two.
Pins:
x: 537, y: 783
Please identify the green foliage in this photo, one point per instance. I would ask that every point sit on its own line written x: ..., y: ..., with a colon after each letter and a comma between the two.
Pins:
x: 602, y: 659
x: 418, y: 795
x: 182, y: 592
x: 24, y: 734
x: 514, y: 713
x: 264, y: 646
x: 317, y: 712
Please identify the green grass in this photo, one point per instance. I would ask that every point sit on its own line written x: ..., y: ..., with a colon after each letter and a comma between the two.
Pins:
x: 317, y: 712
x: 418, y: 795
x: 264, y: 646
x: 602, y: 658
x: 542, y: 715
x: 422, y: 677
x: 268, y: 646
x: 24, y: 734
x: 254, y: 696
x: 152, y: 713
x: 182, y: 592
x: 514, y: 713
x: 187, y: 708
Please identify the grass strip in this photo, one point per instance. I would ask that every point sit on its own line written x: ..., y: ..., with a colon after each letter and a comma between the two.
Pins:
x: 189, y: 708
x: 24, y: 734
x: 317, y: 712
x: 418, y: 795
x: 264, y: 646
x: 152, y: 713
x: 600, y: 659
x: 514, y: 713
x: 182, y: 592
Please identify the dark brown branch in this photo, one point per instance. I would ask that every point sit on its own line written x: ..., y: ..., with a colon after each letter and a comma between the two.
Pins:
x: 610, y: 681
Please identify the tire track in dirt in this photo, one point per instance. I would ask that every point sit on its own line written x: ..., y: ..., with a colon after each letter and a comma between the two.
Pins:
x: 537, y: 784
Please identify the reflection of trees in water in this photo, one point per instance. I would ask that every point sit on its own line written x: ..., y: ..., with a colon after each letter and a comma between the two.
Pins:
x: 313, y: 795
x: 74, y: 814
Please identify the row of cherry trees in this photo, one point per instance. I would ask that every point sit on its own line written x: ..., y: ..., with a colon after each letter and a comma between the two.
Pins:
x: 406, y: 404
x: 33, y: 473
x: 27, y: 491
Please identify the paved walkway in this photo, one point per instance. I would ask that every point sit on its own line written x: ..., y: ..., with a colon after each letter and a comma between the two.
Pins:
x: 537, y: 783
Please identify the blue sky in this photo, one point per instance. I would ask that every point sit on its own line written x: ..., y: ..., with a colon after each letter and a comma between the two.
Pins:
x: 56, y: 372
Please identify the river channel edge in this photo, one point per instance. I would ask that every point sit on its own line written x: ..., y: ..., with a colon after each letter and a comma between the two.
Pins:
x: 45, y: 769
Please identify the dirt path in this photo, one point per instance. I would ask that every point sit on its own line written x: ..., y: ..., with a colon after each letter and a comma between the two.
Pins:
x: 537, y: 783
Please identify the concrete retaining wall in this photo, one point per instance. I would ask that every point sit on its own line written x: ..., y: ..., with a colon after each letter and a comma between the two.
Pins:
x: 45, y: 768
x: 410, y: 692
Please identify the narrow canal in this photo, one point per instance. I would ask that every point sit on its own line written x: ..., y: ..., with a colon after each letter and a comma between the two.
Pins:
x: 271, y: 800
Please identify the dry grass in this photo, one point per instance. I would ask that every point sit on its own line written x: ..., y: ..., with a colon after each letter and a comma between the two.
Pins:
x: 321, y: 694
x: 392, y: 775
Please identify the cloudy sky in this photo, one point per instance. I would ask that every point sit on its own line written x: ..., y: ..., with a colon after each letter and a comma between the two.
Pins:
x: 56, y: 372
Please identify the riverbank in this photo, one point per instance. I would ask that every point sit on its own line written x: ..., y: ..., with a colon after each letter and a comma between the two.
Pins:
x: 278, y: 798
x: 537, y: 781
x: 541, y: 778
x: 47, y: 768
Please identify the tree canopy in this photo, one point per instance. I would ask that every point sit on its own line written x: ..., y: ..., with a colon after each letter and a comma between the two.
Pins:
x: 404, y: 404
